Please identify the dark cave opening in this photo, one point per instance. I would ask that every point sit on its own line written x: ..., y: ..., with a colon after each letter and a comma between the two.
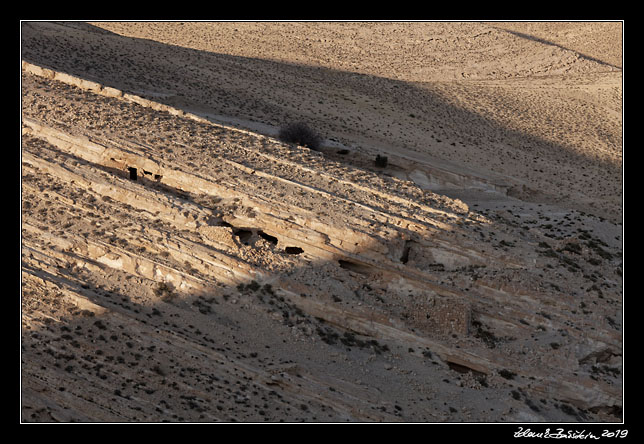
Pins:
x: 133, y: 173
x: 243, y: 235
x: 267, y: 237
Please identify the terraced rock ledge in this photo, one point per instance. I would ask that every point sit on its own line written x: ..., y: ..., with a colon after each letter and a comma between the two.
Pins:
x: 176, y: 269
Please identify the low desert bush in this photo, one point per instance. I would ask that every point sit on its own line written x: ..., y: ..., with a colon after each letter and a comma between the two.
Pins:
x: 301, y: 134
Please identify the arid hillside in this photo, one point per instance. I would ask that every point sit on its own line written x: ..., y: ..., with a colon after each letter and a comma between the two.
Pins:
x: 532, y: 108
x: 180, y: 263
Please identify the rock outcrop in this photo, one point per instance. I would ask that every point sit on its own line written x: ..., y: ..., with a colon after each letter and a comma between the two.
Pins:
x: 234, y: 277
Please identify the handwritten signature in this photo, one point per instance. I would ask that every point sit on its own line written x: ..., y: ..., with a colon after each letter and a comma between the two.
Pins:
x: 568, y: 434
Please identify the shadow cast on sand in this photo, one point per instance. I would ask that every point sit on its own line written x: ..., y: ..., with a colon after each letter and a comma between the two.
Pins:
x: 417, y: 128
x: 556, y: 45
x: 242, y: 351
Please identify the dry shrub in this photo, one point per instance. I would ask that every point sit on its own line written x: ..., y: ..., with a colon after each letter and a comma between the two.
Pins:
x: 300, y: 133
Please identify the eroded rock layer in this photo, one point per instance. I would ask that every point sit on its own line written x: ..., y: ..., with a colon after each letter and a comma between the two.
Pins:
x: 174, y: 269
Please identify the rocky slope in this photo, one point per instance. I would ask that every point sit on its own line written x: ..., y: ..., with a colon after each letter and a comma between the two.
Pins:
x: 176, y: 269
x: 531, y: 108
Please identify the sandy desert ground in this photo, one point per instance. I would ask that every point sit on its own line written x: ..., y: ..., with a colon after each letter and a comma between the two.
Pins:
x: 239, y: 278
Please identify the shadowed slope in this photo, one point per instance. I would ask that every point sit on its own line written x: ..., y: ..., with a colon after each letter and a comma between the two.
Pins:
x: 177, y: 297
x: 530, y: 134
